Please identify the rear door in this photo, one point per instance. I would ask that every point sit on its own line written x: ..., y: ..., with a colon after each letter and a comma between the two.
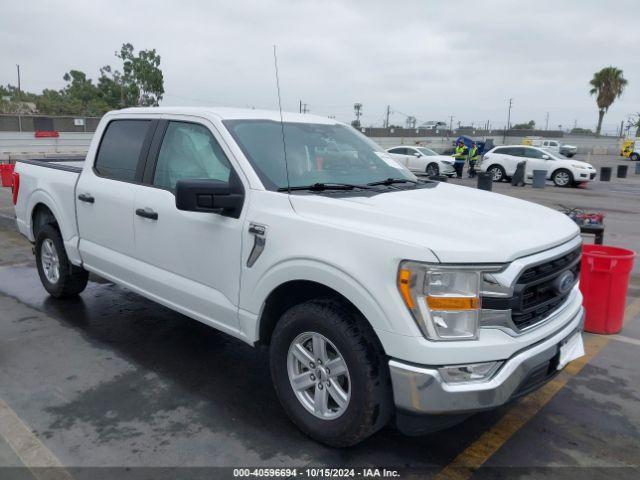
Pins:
x: 399, y: 154
x: 105, y: 191
x: 190, y: 261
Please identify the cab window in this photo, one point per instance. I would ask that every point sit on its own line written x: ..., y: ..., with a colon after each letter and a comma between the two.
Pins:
x: 189, y: 150
x: 120, y: 149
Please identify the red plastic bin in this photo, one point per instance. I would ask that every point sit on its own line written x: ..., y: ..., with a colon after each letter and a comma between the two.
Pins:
x: 604, y: 279
x: 6, y: 172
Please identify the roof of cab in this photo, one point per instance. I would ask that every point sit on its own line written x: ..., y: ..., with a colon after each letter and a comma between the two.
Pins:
x: 224, y: 113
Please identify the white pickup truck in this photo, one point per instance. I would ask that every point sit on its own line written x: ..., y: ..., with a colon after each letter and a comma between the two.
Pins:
x: 381, y: 298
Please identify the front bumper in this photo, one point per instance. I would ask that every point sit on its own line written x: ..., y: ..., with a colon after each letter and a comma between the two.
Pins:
x: 421, y: 390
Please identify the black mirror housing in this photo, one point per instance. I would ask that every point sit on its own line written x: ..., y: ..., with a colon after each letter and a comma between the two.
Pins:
x: 212, y: 196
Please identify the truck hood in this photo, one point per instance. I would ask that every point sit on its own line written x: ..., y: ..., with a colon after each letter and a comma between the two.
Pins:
x: 458, y: 224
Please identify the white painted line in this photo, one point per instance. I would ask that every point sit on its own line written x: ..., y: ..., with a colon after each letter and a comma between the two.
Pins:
x: 625, y: 339
x: 34, y: 455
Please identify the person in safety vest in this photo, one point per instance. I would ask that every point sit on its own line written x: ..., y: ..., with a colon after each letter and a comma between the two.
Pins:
x: 474, y: 156
x: 460, y: 156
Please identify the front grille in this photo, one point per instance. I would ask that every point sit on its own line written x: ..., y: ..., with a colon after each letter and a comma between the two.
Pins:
x: 535, y: 292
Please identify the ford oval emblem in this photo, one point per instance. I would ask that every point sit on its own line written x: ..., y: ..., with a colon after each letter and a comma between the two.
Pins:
x: 564, y: 282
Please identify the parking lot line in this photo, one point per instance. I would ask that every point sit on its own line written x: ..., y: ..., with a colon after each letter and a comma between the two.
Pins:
x: 32, y: 453
x: 475, y: 455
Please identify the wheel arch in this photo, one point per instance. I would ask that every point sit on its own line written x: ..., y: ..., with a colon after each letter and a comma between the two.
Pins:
x: 284, y: 289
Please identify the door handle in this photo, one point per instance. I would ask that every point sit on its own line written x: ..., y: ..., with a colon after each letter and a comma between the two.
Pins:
x: 147, y: 213
x: 85, y: 197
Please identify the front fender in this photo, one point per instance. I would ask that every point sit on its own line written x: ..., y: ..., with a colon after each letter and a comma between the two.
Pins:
x: 328, y: 275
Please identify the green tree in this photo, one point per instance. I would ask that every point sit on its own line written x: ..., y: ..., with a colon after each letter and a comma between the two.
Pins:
x: 141, y: 76
x: 530, y: 125
x: 607, y: 85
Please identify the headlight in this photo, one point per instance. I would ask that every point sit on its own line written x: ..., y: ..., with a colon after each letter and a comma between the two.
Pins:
x: 444, y: 301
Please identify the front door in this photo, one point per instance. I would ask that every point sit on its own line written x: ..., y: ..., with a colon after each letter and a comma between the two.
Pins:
x: 191, y: 260
x: 535, y: 161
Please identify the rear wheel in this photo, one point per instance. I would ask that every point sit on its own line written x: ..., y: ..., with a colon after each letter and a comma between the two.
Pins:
x: 433, y: 169
x: 562, y: 178
x: 58, y: 276
x: 330, y: 373
x: 497, y: 173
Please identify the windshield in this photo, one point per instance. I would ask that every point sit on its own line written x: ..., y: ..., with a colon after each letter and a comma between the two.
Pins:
x: 316, y: 154
x: 427, y: 151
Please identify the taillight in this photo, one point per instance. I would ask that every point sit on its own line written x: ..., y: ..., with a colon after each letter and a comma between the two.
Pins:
x: 15, y: 187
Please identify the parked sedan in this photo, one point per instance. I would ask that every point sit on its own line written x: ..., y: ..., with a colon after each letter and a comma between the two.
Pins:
x: 423, y: 160
x: 501, y: 163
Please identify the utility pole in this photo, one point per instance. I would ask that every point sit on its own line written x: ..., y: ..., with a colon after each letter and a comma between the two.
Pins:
x: 357, y: 107
x: 508, y: 125
x: 303, y: 107
x: 546, y: 122
x: 386, y: 121
x: 450, y: 124
x: 19, y: 99
x: 300, y: 107
x: 621, y: 128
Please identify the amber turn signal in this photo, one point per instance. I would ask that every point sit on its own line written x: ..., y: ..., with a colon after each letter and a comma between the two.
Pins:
x: 453, y: 303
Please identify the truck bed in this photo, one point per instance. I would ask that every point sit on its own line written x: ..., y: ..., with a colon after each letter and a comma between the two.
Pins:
x: 69, y: 164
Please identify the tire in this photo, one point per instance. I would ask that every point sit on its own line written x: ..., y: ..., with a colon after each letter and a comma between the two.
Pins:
x: 634, y: 157
x: 562, y: 178
x: 497, y: 173
x: 432, y: 169
x: 365, y: 389
x: 58, y: 276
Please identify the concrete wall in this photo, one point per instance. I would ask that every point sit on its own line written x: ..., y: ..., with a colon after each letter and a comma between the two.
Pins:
x: 24, y: 144
x: 585, y: 144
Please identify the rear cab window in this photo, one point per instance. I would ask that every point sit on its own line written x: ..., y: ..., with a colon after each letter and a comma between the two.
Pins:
x: 121, y: 149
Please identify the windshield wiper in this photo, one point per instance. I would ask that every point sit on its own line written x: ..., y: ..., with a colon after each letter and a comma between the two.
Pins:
x: 319, y: 187
x: 391, y: 181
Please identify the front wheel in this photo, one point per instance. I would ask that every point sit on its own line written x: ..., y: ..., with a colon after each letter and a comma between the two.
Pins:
x: 433, y: 169
x: 562, y: 178
x: 330, y: 373
x: 58, y: 276
x: 635, y: 157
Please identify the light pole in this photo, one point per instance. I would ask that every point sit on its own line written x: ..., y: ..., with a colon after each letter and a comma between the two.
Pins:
x: 19, y: 99
x: 508, y: 125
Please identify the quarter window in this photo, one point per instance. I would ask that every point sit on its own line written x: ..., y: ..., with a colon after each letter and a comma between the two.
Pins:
x: 189, y: 150
x: 120, y: 149
x: 399, y: 151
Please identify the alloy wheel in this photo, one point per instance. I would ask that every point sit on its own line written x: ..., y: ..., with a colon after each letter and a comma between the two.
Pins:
x: 50, y: 261
x: 319, y: 375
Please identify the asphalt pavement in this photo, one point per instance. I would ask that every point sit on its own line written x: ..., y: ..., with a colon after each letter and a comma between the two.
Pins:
x: 111, y: 379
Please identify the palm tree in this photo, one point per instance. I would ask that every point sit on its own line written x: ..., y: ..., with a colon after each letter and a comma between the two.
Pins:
x: 607, y: 84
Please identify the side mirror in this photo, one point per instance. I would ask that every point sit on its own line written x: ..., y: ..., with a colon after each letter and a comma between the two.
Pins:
x: 417, y: 154
x: 213, y: 196
x: 546, y: 157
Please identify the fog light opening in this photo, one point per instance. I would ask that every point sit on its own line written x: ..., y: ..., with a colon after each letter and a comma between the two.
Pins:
x: 472, y: 372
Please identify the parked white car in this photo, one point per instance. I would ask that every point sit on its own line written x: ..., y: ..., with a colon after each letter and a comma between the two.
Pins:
x: 423, y: 160
x: 501, y: 162
x: 376, y: 306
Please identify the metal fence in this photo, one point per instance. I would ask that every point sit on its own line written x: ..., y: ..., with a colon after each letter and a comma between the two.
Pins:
x: 32, y: 123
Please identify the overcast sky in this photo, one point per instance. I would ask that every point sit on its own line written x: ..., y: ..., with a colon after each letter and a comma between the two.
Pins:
x: 426, y: 58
